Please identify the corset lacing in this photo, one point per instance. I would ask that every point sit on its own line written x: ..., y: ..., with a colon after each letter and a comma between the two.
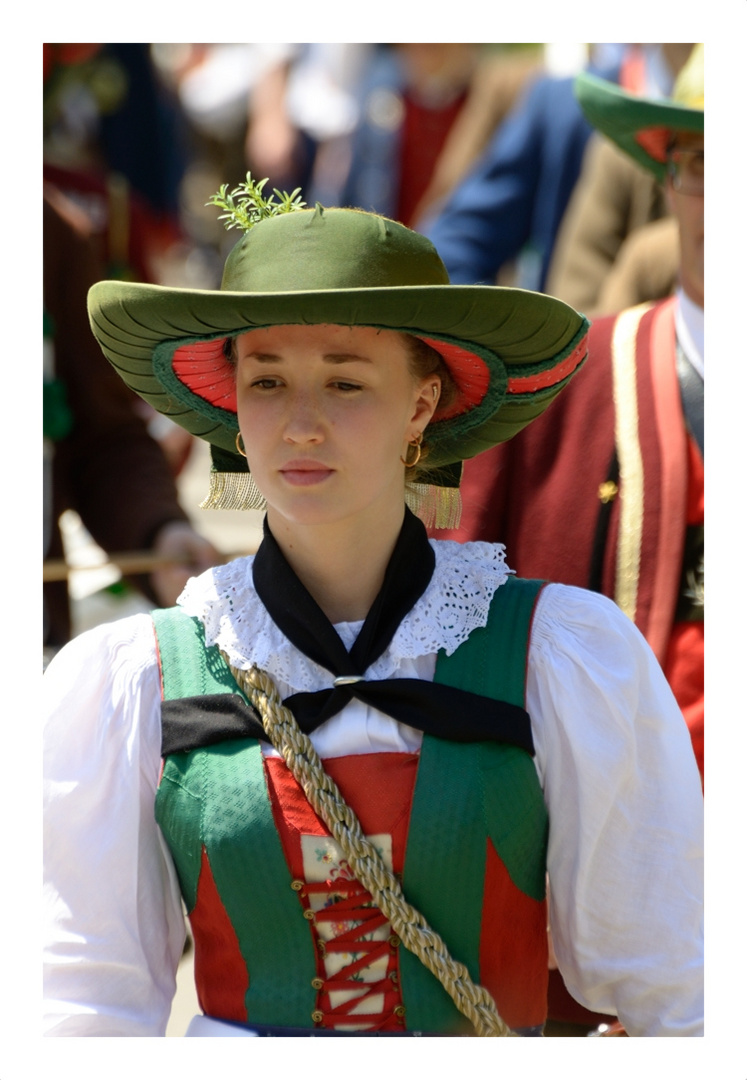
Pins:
x: 350, y: 923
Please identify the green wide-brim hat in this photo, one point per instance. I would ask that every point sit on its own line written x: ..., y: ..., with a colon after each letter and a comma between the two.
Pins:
x: 644, y: 127
x: 510, y: 351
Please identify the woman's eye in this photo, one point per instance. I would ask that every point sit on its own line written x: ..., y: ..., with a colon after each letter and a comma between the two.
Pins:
x: 265, y: 384
x: 347, y: 387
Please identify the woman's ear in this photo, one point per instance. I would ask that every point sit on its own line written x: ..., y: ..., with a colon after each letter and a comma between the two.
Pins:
x: 427, y: 401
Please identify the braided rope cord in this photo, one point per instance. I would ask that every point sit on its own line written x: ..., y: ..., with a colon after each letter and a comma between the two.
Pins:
x: 325, y: 797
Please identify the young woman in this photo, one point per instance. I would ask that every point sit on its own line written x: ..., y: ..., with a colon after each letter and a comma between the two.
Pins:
x: 366, y: 750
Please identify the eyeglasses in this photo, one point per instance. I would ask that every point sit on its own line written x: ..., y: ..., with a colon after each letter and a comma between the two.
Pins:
x: 685, y: 169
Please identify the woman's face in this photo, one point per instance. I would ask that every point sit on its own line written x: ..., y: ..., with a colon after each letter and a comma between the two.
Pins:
x: 326, y: 413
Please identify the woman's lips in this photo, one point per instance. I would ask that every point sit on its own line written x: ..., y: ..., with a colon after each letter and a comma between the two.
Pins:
x: 305, y: 473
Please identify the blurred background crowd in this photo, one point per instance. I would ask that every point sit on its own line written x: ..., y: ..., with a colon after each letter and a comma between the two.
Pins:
x: 481, y: 146
x: 139, y: 135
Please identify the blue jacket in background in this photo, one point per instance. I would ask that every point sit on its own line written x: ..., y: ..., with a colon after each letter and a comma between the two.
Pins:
x: 512, y: 202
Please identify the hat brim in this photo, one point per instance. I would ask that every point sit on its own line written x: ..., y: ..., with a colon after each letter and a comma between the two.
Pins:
x: 642, y: 127
x: 529, y: 345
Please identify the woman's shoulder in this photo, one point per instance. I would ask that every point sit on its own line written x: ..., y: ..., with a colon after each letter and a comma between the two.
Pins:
x: 566, y: 617
x: 128, y: 641
x: 477, y: 569
x: 578, y: 614
x: 102, y: 694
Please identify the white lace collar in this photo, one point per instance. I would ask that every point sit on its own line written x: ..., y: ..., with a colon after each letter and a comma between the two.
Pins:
x: 456, y: 602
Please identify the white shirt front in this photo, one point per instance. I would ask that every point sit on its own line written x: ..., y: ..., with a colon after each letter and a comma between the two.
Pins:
x: 689, y: 324
x: 613, y: 756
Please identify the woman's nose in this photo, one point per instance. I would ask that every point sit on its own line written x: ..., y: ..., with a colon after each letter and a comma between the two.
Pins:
x: 304, y: 422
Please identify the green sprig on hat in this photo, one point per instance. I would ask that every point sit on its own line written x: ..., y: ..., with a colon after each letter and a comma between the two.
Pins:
x: 252, y: 206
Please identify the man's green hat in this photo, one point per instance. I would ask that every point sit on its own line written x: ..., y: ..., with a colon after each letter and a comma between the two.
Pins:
x: 509, y: 351
x: 644, y: 127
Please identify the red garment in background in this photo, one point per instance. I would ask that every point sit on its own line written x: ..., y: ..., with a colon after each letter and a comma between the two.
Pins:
x: 684, y: 661
x: 423, y: 135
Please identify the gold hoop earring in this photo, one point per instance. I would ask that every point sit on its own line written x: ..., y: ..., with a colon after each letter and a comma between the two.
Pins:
x: 240, y: 449
x: 418, y: 451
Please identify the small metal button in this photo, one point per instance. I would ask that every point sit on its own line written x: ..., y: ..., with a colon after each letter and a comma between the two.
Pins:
x: 393, y: 941
x: 309, y: 914
x: 400, y: 1010
x: 297, y: 886
x: 317, y: 1016
x: 317, y: 983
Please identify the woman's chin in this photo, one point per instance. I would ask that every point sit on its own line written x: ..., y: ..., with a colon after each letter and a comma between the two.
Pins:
x: 306, y: 508
x: 315, y: 510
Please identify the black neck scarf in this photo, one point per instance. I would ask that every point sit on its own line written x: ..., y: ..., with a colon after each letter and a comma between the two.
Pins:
x: 433, y: 708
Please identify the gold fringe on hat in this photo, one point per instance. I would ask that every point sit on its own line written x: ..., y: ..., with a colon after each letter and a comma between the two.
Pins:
x: 437, y: 507
x: 233, y: 491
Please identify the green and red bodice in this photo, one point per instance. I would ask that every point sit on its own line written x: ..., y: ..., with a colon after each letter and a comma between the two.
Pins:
x: 284, y: 936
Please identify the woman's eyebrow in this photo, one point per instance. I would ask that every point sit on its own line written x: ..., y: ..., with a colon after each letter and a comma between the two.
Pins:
x: 330, y: 358
x: 262, y: 357
x: 342, y: 358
